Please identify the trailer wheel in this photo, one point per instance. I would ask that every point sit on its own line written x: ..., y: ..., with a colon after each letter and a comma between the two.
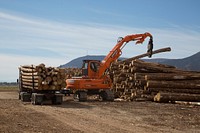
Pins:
x: 80, y: 96
x: 25, y: 96
x: 37, y: 99
x: 57, y: 99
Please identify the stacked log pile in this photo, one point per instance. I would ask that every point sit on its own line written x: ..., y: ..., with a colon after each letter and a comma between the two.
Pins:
x: 72, y: 72
x: 41, y: 77
x: 175, y: 87
x: 139, y: 80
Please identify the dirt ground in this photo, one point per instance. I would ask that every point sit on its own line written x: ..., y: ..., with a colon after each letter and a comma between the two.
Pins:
x: 95, y: 116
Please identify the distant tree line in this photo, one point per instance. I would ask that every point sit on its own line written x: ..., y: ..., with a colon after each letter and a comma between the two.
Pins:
x: 8, y: 83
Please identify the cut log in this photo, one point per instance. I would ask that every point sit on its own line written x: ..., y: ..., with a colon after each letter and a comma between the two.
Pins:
x: 44, y: 78
x: 48, y: 79
x: 139, y: 76
x: 27, y: 69
x: 30, y: 87
x: 189, y: 91
x: 146, y: 54
x: 31, y: 84
x: 155, y: 67
x: 29, y: 73
x: 188, y: 103
x: 30, y: 80
x: 172, y: 84
x: 45, y: 87
x: 173, y: 76
x: 30, y: 77
x: 28, y: 66
x: 166, y: 97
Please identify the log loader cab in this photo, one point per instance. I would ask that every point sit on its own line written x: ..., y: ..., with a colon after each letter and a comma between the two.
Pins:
x: 90, y: 68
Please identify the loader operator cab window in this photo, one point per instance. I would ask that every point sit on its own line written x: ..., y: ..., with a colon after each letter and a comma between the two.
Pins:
x: 94, y: 66
x: 85, y: 68
x: 85, y: 65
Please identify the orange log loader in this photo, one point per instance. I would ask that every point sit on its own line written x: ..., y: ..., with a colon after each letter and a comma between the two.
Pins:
x: 94, y: 79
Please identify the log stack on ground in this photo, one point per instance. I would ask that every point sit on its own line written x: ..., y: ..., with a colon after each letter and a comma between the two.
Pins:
x: 72, y: 72
x: 135, y: 79
x: 41, y: 77
x: 174, y: 86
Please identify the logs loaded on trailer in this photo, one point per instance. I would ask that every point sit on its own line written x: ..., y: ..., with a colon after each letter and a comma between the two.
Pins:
x: 41, y: 77
x: 39, y: 84
x: 134, y: 79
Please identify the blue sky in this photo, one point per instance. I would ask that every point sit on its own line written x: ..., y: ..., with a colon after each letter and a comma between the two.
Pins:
x: 56, y: 31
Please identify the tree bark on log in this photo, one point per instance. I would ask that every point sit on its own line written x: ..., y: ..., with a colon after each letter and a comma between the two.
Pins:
x: 133, y: 78
x: 44, y: 78
x: 172, y: 76
x: 155, y: 67
x: 172, y: 84
x: 168, y: 49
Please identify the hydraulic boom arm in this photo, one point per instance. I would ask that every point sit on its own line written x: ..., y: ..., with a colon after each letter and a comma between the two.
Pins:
x: 117, y: 50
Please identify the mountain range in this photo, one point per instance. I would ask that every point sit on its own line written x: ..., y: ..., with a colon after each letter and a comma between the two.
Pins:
x: 191, y: 63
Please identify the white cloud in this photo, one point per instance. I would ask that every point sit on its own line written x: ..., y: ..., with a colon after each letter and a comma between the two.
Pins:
x: 9, y: 64
x: 68, y: 41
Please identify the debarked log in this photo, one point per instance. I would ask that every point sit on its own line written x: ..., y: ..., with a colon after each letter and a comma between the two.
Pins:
x: 29, y: 87
x: 167, y: 96
x: 29, y: 73
x: 30, y: 77
x: 27, y: 69
x: 31, y: 84
x: 31, y: 80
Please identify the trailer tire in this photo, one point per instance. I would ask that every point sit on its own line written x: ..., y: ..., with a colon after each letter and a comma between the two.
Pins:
x: 37, y: 99
x: 25, y: 96
x: 57, y: 99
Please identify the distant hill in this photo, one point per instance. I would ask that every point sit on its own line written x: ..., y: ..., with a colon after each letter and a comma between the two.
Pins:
x: 190, y: 63
x: 77, y: 63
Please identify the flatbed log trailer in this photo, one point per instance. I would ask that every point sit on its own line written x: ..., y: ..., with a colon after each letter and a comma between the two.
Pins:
x: 36, y: 94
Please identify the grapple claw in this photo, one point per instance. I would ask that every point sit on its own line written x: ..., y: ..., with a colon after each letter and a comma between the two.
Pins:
x: 150, y: 47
